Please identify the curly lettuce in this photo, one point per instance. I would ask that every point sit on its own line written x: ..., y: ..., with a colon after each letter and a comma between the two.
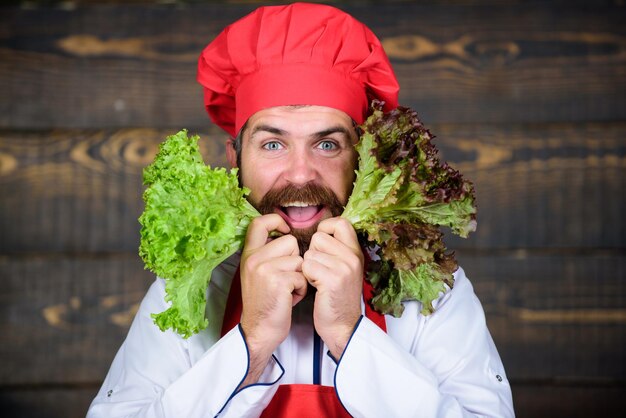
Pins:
x: 195, y: 217
x: 402, y: 194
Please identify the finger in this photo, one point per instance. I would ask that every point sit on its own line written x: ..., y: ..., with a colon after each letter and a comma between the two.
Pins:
x: 322, y: 242
x: 315, y: 272
x: 260, y: 228
x: 322, y: 266
x: 341, y: 229
x: 290, y: 263
x: 294, y: 283
x: 299, y: 288
x: 325, y: 259
x: 285, y: 245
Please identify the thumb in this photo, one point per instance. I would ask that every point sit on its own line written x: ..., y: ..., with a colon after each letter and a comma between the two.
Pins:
x: 299, y: 289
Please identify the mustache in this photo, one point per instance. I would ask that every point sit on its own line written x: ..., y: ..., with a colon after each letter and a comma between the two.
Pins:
x: 309, y: 193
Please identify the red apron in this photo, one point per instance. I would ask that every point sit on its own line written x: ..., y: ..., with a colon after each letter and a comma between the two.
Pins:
x: 298, y: 400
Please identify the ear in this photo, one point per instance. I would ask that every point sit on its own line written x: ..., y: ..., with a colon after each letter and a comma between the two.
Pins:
x: 231, y: 154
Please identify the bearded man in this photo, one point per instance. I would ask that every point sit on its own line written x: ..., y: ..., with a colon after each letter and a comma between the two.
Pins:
x: 290, y: 333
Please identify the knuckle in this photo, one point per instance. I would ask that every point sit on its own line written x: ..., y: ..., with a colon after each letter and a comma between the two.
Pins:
x: 351, y: 267
x: 291, y: 240
x: 255, y: 228
x: 253, y: 260
x: 256, y: 222
x: 356, y: 262
x: 272, y: 286
x: 317, y: 236
x: 346, y: 270
x: 262, y: 269
x: 355, y: 269
x: 343, y: 222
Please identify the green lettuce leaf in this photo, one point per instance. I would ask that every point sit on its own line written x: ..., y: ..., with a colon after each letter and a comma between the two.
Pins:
x: 402, y: 194
x: 195, y: 217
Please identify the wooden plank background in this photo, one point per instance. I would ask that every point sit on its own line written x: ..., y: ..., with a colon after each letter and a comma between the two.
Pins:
x: 527, y: 99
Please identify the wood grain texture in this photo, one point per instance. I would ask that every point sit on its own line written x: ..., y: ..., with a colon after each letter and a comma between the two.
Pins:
x: 115, y: 65
x: 538, y: 309
x: 538, y: 186
x: 79, y: 190
x: 64, y: 318
x: 554, y: 316
x: 530, y: 402
x: 526, y: 98
x: 46, y: 402
x: 542, y: 185
x: 568, y: 402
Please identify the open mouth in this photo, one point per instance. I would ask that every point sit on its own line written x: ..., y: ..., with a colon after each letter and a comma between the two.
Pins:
x: 301, y: 214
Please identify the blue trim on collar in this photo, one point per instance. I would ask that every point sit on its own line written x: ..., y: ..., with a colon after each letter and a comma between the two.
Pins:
x: 339, y: 362
x: 238, y: 389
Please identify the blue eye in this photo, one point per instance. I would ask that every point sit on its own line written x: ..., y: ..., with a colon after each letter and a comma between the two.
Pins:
x: 272, y: 146
x: 327, y: 145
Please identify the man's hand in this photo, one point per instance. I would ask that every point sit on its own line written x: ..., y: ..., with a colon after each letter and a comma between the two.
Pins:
x: 334, y: 266
x: 271, y: 284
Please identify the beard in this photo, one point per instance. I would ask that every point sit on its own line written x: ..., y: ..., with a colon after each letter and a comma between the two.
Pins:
x: 310, y: 192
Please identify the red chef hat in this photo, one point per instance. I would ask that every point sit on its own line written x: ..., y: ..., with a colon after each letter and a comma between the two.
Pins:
x: 299, y: 54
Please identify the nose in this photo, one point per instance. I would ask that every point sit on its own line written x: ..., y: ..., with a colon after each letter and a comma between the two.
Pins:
x: 300, y: 168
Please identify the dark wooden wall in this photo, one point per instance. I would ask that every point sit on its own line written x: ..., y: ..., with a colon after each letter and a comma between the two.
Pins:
x: 528, y: 99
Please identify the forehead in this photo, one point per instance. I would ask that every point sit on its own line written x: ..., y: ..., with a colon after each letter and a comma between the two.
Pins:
x: 299, y: 120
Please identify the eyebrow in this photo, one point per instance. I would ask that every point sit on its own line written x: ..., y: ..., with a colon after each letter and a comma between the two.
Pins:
x: 317, y: 135
x: 333, y: 129
x: 267, y: 128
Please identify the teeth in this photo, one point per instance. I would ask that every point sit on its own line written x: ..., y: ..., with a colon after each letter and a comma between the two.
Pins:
x: 298, y: 204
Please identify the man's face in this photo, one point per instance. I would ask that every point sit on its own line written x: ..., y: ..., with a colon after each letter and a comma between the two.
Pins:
x: 299, y: 162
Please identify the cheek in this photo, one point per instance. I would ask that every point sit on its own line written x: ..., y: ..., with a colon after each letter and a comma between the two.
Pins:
x: 341, y: 180
x: 259, y: 179
x: 349, y: 182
